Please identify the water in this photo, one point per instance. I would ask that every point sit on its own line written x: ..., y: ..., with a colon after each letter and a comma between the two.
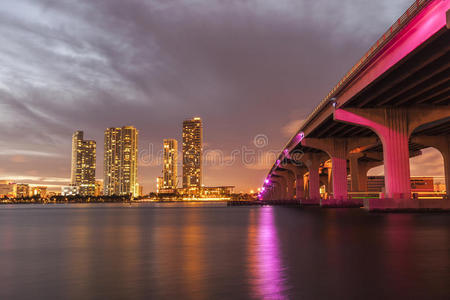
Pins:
x: 209, y: 252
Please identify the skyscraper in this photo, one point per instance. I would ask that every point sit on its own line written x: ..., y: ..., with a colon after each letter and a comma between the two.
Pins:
x: 192, y: 153
x: 120, y: 161
x: 83, y: 164
x: 170, y: 168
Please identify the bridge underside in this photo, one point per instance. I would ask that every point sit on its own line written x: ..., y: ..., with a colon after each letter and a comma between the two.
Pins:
x: 394, y: 117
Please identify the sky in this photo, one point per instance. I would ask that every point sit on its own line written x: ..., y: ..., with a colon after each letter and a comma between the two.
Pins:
x: 251, y: 69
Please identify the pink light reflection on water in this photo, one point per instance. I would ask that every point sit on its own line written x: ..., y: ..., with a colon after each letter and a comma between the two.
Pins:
x: 268, y: 278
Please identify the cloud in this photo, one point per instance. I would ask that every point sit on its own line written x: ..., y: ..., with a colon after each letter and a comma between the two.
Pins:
x: 260, y: 160
x: 18, y: 159
x: 292, y: 127
x: 241, y: 65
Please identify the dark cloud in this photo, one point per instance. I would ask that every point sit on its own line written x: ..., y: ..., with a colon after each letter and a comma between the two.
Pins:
x: 246, y: 67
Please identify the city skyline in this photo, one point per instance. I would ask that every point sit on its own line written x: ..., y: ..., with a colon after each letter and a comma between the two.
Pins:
x: 225, y: 82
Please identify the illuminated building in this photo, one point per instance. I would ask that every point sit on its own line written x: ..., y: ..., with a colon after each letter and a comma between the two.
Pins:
x: 6, y: 189
x: 159, y: 184
x: 120, y: 161
x: 192, y: 154
x: 141, y: 190
x: 40, y: 191
x: 217, y: 191
x: 21, y: 190
x: 98, y: 188
x: 170, y: 168
x: 83, y: 164
x: 69, y: 190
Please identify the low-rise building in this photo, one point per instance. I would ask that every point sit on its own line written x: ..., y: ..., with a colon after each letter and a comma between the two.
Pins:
x: 70, y: 190
x: 21, y: 190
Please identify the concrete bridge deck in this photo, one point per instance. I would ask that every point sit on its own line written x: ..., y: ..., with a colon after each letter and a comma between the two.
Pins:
x: 394, y: 102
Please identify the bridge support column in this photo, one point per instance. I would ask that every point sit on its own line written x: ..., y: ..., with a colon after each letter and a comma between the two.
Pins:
x: 290, y: 186
x: 276, y: 192
x: 312, y: 162
x: 358, y: 173
x: 282, y: 187
x: 394, y: 127
x: 337, y: 150
x: 299, y: 187
x: 391, y: 125
x: 295, y: 173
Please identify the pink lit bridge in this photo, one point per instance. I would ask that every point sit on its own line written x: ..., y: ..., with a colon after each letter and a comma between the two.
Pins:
x: 394, y: 102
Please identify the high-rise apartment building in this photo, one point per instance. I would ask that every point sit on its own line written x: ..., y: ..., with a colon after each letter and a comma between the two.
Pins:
x: 120, y: 161
x: 192, y: 153
x: 170, y: 168
x: 83, y: 164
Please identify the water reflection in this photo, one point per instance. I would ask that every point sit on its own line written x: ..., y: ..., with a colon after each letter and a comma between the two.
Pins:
x: 193, y: 266
x: 268, y: 278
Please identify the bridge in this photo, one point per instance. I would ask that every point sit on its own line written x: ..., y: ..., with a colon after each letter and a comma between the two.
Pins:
x: 394, y: 102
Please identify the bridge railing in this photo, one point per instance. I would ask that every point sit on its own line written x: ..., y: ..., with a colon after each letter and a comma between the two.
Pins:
x: 410, y: 13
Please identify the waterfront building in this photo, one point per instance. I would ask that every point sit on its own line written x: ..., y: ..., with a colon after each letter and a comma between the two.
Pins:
x: 39, y: 191
x: 98, y: 188
x: 120, y: 161
x: 21, y: 190
x: 83, y: 164
x: 170, y: 164
x: 69, y: 190
x: 6, y: 189
x: 192, y: 154
x: 159, y: 184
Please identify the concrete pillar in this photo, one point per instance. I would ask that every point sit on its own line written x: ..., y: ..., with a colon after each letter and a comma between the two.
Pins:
x: 394, y: 127
x: 395, y: 140
x: 296, y: 173
x: 314, y: 184
x: 337, y: 150
x: 276, y: 191
x: 330, y: 181
x: 312, y: 162
x: 358, y: 173
x: 290, y: 186
x: 299, y: 187
x: 281, y: 184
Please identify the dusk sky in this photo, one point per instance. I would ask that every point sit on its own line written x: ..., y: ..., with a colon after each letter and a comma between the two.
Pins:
x: 247, y: 68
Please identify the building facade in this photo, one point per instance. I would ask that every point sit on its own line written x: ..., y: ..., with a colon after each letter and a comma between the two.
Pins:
x: 22, y: 190
x: 83, y: 164
x: 159, y: 184
x: 120, y: 161
x: 170, y: 167
x: 6, y: 189
x: 192, y: 154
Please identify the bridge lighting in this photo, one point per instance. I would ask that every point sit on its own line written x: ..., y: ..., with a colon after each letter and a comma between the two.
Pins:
x: 333, y: 101
x: 266, y: 181
x: 298, y: 138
